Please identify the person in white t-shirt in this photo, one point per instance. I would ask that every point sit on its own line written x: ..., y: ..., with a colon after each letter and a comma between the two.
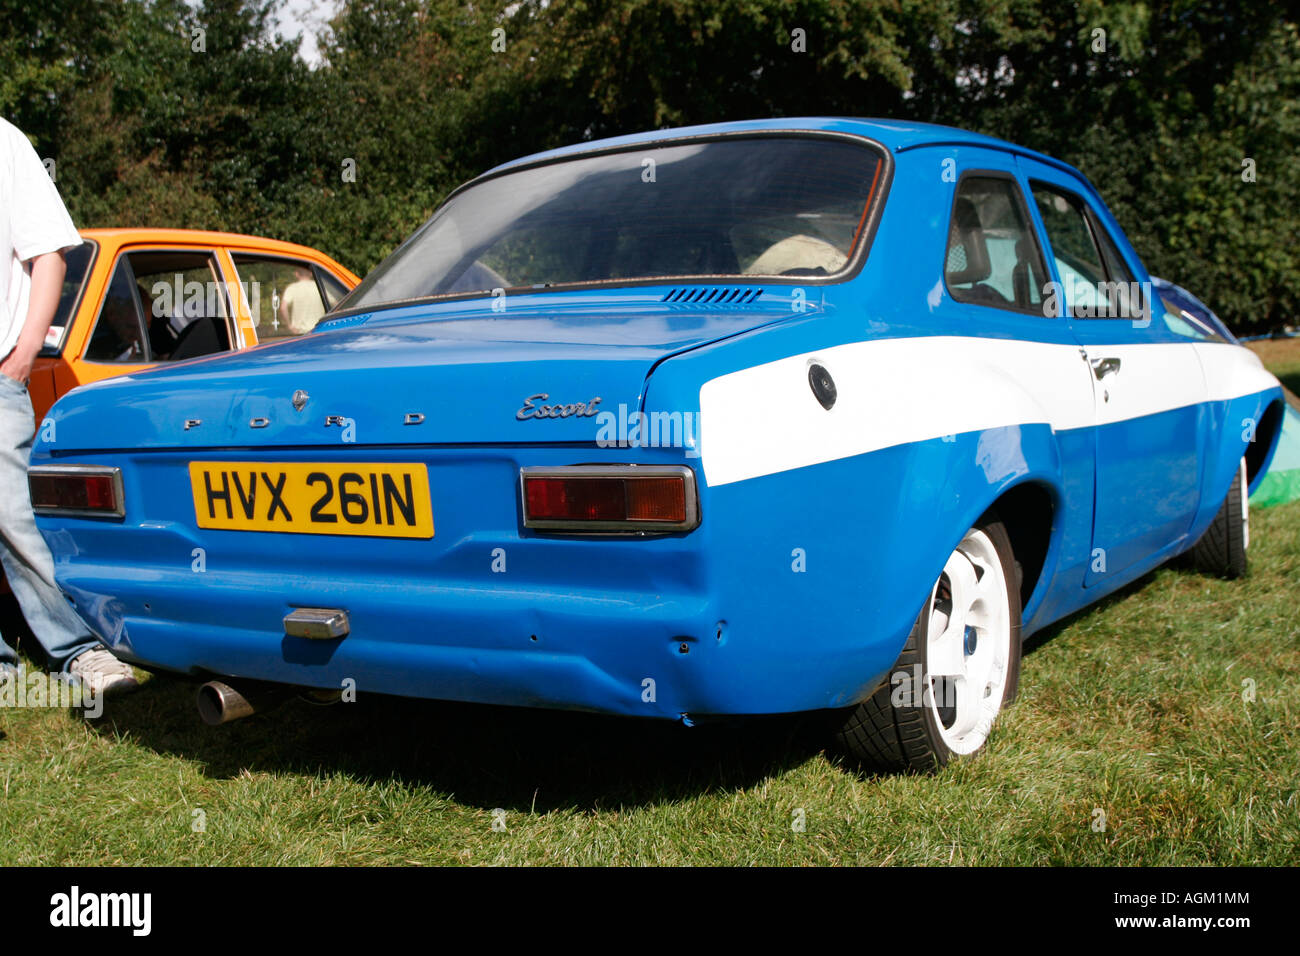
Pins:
x: 300, y: 306
x: 34, y: 232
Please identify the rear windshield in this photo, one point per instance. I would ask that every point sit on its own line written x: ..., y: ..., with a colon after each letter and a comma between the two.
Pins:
x: 78, y: 262
x: 770, y: 206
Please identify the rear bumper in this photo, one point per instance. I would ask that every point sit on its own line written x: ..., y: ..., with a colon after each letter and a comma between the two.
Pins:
x: 718, y: 620
x: 579, y: 651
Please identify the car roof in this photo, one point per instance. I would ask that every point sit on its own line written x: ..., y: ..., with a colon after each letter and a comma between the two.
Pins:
x: 895, y: 135
x: 127, y: 234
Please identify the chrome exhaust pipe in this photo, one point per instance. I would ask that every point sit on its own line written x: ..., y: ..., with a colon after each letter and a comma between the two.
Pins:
x: 219, y: 703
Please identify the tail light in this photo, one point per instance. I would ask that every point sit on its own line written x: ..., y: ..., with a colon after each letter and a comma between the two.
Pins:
x: 86, y: 490
x: 610, y: 498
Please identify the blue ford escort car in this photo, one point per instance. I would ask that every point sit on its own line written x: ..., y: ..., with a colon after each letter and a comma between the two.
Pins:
x: 790, y: 415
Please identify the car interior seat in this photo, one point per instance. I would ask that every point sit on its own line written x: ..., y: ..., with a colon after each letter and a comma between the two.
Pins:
x: 968, y: 255
x: 203, y: 336
x: 1021, y: 275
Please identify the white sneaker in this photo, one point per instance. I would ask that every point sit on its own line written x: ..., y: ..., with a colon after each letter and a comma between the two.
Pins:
x: 100, y: 672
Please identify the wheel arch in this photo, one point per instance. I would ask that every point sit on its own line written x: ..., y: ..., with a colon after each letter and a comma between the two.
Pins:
x: 1267, y: 434
x: 1028, y: 511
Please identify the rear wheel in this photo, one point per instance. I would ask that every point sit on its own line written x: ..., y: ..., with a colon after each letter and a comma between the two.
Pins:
x: 1222, y: 549
x: 959, y: 667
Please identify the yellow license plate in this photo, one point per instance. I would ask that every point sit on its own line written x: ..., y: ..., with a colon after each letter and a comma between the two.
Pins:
x: 370, y: 500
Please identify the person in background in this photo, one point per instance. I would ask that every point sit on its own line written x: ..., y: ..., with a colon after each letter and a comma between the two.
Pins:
x: 34, y: 232
x: 300, y: 306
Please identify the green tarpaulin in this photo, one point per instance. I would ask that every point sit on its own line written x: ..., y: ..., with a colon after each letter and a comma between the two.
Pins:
x: 1282, y: 483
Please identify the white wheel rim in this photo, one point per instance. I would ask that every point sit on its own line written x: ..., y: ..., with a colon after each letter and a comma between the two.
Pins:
x: 968, y: 644
x: 1245, y: 508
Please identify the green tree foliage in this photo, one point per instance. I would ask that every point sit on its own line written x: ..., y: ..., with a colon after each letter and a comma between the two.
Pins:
x: 1160, y: 103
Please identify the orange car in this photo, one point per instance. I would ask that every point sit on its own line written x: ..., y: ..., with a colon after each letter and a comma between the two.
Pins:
x: 134, y: 298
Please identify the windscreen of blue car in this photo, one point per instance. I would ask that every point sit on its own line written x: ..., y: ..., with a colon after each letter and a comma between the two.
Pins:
x: 1192, y: 309
x: 745, y: 206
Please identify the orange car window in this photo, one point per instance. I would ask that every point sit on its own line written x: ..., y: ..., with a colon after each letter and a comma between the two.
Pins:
x: 162, y: 306
x: 119, y: 331
x: 283, y: 295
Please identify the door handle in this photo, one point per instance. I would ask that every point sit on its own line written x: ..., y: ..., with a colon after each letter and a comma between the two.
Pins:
x: 1101, y: 367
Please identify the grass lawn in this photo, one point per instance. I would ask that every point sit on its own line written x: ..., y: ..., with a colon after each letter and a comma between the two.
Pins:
x: 1139, y: 709
x: 1282, y: 356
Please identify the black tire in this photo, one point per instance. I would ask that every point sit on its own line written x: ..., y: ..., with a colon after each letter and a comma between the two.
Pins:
x: 1222, y: 549
x: 886, y: 732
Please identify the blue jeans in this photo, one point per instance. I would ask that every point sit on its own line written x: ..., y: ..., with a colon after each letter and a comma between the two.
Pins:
x: 23, y: 552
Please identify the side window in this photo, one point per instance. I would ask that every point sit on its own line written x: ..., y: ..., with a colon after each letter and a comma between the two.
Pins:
x: 184, y: 302
x: 1077, y: 260
x: 283, y: 295
x: 1096, y: 282
x: 1123, y: 296
x: 161, y: 307
x: 992, y: 257
x: 119, y: 334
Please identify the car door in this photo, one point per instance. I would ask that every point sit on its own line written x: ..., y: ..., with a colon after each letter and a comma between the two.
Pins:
x: 1147, y: 382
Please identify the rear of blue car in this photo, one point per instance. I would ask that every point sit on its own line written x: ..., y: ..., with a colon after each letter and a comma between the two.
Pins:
x: 435, y: 495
